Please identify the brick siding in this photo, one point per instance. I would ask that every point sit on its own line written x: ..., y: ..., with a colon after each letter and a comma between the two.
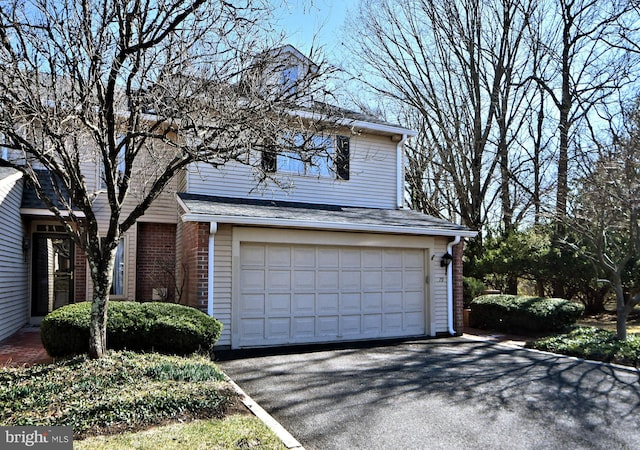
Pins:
x: 195, y: 262
x: 156, y: 261
x: 458, y: 252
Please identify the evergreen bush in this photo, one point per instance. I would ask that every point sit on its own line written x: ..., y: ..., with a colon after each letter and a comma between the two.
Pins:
x: 515, y: 313
x: 153, y: 326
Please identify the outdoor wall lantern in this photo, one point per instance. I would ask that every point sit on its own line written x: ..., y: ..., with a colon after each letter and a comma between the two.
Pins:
x: 446, y: 260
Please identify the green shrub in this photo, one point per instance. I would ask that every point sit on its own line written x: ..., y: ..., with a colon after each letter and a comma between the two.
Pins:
x: 523, y: 313
x: 163, y: 327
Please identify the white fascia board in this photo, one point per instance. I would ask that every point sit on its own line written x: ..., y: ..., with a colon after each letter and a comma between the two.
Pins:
x: 336, y: 226
x: 47, y: 213
x: 352, y: 123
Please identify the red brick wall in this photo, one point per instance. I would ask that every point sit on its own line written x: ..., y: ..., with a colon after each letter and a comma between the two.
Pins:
x: 80, y: 276
x: 195, y: 262
x: 458, y: 251
x: 155, y: 260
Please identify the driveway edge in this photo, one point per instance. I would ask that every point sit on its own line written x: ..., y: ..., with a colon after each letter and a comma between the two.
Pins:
x: 287, y: 439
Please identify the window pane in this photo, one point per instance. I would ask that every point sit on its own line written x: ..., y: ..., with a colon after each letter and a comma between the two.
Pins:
x: 117, y: 286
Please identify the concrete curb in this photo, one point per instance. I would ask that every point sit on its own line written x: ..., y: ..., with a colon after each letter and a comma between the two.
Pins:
x: 287, y: 439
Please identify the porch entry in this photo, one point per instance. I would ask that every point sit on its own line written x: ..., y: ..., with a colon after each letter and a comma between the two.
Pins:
x: 52, y: 273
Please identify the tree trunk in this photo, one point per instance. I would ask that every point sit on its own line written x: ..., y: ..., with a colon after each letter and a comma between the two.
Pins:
x: 98, y: 327
x: 621, y: 313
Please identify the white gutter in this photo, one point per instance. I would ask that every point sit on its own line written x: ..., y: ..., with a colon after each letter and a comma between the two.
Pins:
x: 213, y: 228
x: 400, y: 171
x: 450, y: 305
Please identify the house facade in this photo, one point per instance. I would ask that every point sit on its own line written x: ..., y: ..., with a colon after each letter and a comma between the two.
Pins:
x: 322, y: 251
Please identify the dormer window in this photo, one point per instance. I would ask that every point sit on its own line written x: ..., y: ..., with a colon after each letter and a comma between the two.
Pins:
x: 316, y: 156
x: 289, y: 80
x: 4, y: 150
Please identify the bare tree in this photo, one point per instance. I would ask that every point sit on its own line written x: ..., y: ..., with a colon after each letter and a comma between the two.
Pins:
x: 588, y: 63
x: 457, y: 64
x: 139, y: 89
x: 606, y: 214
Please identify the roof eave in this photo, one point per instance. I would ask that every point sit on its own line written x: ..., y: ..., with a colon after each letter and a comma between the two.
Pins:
x: 334, y: 226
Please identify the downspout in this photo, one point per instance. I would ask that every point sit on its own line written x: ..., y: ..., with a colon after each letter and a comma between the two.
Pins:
x: 213, y: 228
x: 400, y: 172
x: 450, y: 305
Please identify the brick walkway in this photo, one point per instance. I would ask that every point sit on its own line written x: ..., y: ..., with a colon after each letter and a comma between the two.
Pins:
x: 23, y: 348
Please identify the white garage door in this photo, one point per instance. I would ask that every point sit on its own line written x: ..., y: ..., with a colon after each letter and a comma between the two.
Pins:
x: 299, y: 294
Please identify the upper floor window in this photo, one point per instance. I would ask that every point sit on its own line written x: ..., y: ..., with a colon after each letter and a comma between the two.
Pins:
x: 319, y: 156
x: 290, y: 79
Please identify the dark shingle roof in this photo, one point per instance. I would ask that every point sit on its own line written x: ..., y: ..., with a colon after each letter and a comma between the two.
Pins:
x: 318, y: 216
x: 30, y: 199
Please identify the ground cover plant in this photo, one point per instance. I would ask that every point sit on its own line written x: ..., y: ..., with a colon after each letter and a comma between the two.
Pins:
x: 123, y: 391
x: 593, y: 343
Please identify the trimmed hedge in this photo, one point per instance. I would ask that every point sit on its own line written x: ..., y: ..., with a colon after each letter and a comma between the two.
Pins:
x: 163, y: 327
x: 517, y: 313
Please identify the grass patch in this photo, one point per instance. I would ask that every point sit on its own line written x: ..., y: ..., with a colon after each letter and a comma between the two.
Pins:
x: 593, y: 343
x: 233, y: 432
x: 123, y: 391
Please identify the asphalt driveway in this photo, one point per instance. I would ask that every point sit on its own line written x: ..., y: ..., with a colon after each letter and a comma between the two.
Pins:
x: 443, y: 393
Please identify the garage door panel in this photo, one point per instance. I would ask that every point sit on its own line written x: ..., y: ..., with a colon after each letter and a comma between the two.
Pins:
x: 253, y: 280
x: 372, y: 302
x: 372, y: 324
x: 328, y: 257
x: 392, y: 280
x: 253, y: 255
x: 328, y: 280
x: 279, y: 280
x: 350, y: 280
x: 350, y: 258
x: 304, y: 280
x: 252, y: 305
x: 328, y: 303
x: 278, y: 304
x: 327, y: 326
x: 350, y: 302
x: 279, y: 257
x: 351, y: 325
x: 304, y: 257
x: 392, y: 301
x: 372, y: 280
x: 303, y: 304
x: 252, y: 329
x: 278, y: 328
x: 392, y: 323
x: 303, y: 293
x: 304, y: 327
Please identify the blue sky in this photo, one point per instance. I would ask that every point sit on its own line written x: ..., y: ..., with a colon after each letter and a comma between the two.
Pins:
x: 301, y: 20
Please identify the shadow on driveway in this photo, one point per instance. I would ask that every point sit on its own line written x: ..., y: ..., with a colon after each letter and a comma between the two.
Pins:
x: 443, y: 393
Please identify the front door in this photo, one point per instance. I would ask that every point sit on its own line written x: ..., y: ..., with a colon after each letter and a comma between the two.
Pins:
x: 53, y: 264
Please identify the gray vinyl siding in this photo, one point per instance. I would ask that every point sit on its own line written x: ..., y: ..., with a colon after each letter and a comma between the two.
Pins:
x: 14, y: 301
x: 222, y: 282
x: 372, y: 183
